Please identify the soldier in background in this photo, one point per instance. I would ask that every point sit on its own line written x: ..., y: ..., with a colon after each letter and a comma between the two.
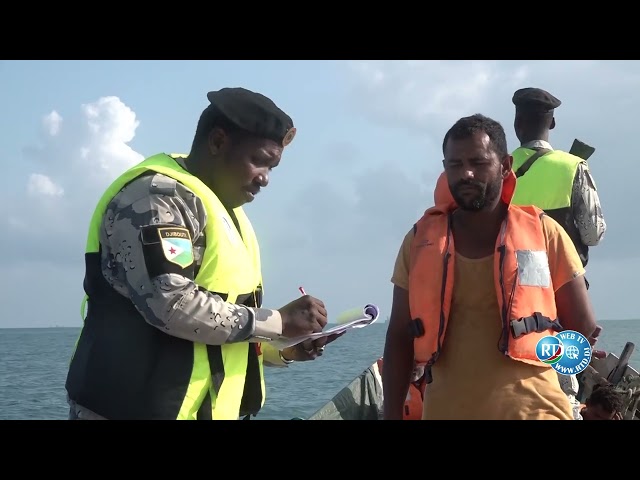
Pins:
x: 556, y: 181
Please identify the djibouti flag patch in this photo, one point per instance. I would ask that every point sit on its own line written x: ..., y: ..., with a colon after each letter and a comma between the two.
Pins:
x: 176, y: 245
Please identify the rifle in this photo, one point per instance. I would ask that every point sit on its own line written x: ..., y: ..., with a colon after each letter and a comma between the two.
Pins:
x: 581, y: 149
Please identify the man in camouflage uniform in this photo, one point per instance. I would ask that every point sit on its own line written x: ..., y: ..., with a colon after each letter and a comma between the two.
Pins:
x: 146, y: 311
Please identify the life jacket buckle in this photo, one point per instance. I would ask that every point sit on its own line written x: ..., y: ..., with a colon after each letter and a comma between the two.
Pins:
x: 533, y: 323
x: 518, y: 328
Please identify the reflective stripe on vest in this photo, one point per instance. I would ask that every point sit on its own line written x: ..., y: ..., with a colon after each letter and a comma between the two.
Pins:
x: 230, y: 266
x: 549, y: 182
x: 522, y: 281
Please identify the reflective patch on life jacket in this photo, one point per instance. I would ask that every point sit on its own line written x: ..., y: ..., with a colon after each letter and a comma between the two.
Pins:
x: 533, y: 268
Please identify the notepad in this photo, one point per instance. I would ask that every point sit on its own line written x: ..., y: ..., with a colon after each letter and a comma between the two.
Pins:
x: 358, y: 317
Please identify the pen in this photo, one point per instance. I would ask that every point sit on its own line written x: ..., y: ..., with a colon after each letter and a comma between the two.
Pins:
x: 301, y: 289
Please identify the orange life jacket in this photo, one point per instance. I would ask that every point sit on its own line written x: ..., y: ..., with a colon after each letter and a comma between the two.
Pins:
x: 413, y: 403
x: 521, y: 271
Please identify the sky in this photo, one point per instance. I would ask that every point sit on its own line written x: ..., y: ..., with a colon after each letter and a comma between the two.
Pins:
x: 359, y: 173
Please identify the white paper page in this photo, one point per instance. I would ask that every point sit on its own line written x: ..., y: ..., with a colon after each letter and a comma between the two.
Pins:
x: 358, y: 317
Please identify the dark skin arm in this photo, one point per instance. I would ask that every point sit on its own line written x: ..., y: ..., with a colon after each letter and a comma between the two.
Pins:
x: 574, y: 307
x: 398, y: 356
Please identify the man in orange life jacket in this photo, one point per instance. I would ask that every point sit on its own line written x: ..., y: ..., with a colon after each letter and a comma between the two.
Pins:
x: 477, y: 282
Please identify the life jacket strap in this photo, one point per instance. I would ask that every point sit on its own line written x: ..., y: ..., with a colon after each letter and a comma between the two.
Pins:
x: 533, y: 323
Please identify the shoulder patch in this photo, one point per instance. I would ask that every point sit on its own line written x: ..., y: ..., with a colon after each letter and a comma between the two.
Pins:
x: 176, y: 245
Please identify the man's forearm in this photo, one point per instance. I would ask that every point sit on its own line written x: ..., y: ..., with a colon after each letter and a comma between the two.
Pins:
x: 396, y: 376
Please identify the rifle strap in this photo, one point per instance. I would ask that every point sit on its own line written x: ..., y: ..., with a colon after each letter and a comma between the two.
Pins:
x: 524, y: 168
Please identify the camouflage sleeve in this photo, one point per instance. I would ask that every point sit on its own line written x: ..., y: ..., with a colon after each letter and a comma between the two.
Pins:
x: 152, y: 237
x: 588, y: 215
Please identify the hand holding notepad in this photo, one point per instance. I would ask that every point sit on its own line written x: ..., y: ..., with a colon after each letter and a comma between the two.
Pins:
x: 358, y: 317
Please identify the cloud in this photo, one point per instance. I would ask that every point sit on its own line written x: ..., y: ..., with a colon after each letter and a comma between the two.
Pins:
x: 41, y: 185
x: 52, y: 123
x: 69, y: 170
x: 64, y: 175
x: 420, y: 95
x: 339, y: 235
x: 600, y: 105
x: 336, y: 234
x: 111, y: 125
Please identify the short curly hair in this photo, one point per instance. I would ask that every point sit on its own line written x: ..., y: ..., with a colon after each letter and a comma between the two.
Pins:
x: 607, y: 397
x: 467, y: 126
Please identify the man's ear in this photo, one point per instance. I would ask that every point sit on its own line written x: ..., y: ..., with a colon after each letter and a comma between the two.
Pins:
x: 553, y: 123
x: 217, y: 139
x: 507, y: 165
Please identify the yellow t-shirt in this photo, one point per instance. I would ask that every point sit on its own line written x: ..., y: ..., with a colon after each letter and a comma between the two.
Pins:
x: 472, y: 379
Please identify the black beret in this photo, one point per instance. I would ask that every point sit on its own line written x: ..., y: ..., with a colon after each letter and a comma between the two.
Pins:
x: 254, y: 113
x: 535, y: 99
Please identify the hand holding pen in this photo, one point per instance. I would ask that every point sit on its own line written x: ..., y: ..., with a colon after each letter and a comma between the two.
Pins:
x: 303, y: 316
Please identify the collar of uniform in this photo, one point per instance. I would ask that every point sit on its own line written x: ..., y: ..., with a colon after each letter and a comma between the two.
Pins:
x: 538, y: 144
x: 180, y: 160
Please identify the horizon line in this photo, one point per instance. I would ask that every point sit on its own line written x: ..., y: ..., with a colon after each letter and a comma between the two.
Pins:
x: 328, y: 323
